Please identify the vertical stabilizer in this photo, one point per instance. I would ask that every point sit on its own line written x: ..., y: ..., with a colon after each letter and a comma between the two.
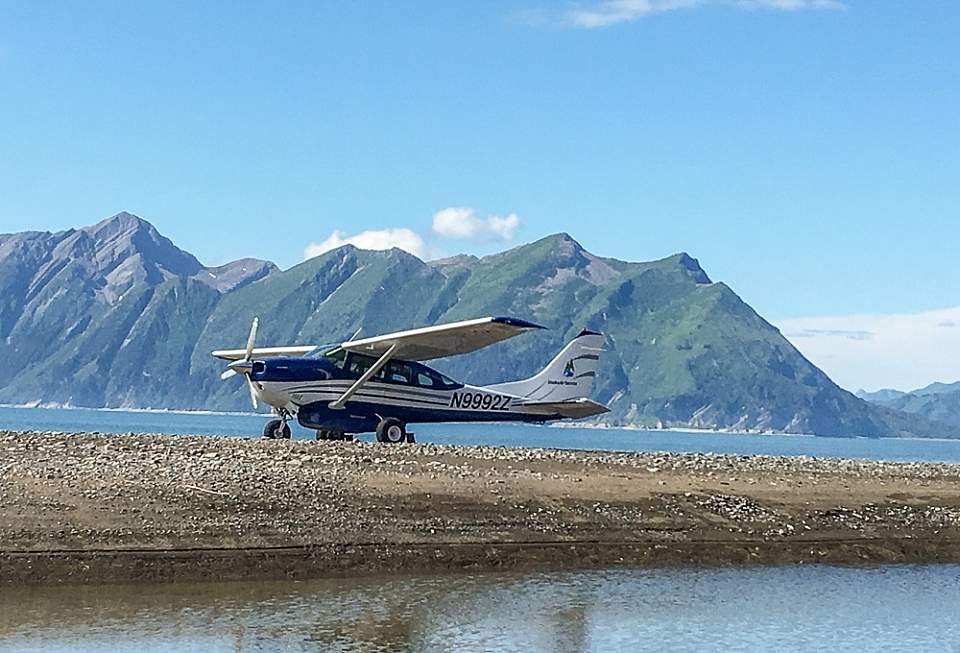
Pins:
x: 568, y: 376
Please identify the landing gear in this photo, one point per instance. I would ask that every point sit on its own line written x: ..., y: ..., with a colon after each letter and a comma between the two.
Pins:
x: 334, y: 434
x: 277, y: 429
x: 393, y: 431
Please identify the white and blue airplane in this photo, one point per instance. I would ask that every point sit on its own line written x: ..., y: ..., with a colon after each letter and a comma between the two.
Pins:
x: 380, y: 384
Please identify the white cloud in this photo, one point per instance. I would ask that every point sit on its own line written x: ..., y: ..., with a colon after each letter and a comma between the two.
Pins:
x: 612, y: 12
x: 790, y: 5
x: 453, y: 222
x: 404, y: 239
x: 461, y: 222
x: 906, y: 351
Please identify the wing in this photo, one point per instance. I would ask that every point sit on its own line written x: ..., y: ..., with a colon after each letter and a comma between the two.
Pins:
x: 442, y: 340
x: 263, y: 352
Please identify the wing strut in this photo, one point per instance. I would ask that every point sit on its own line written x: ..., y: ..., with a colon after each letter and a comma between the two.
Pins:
x: 366, y: 376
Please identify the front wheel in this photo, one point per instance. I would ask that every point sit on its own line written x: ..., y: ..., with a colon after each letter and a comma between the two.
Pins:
x: 276, y: 429
x: 391, y: 430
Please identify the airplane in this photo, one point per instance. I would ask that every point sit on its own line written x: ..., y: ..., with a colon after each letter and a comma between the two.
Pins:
x: 380, y: 384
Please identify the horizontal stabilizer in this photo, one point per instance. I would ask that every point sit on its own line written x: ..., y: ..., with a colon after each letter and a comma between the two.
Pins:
x: 263, y: 352
x: 573, y: 408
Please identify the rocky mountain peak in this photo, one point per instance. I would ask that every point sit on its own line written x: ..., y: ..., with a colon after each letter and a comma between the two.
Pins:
x: 125, y: 236
x: 692, y: 265
x: 236, y: 274
x: 123, y: 222
x: 563, y: 244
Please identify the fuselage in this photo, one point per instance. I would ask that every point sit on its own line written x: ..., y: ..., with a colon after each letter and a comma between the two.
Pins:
x: 407, y: 390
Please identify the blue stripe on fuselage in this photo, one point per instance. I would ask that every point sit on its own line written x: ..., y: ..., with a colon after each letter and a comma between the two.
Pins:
x: 361, y: 416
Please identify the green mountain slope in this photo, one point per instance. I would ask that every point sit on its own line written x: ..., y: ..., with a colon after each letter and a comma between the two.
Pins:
x: 682, y: 350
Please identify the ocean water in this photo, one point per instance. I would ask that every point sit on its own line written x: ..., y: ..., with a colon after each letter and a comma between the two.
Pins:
x: 801, y: 608
x: 506, y: 435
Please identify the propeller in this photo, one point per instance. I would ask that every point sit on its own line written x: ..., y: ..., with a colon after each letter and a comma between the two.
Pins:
x: 245, y: 365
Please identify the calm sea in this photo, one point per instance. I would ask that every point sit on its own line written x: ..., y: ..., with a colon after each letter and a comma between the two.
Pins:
x: 802, y: 608
x: 507, y: 435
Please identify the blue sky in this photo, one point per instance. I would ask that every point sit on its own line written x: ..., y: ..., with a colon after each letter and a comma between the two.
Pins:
x: 806, y: 151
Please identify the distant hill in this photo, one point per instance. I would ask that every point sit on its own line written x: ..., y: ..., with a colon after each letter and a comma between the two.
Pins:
x: 938, y: 389
x: 116, y: 315
x: 881, y: 396
x: 939, y: 402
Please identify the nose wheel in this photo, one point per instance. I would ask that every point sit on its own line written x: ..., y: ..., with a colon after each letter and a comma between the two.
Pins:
x: 277, y: 429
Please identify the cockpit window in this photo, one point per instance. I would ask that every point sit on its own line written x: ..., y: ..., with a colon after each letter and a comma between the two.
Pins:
x: 358, y: 363
x: 336, y: 356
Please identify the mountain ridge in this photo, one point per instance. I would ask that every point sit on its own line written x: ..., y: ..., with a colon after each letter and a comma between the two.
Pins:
x: 937, y: 401
x: 684, y: 350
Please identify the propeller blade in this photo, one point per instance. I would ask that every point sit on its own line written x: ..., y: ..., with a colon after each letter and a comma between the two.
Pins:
x: 227, y: 374
x: 253, y: 391
x: 253, y: 338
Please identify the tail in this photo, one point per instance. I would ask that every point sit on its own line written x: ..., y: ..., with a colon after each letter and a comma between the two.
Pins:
x: 569, y: 375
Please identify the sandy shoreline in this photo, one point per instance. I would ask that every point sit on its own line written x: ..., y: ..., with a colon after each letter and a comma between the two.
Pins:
x: 101, y: 508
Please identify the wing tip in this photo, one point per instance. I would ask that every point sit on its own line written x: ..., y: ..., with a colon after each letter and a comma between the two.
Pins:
x: 515, y: 322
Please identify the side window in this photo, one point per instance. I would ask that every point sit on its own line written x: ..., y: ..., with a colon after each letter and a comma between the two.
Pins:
x: 447, y: 381
x: 399, y: 373
x: 425, y: 380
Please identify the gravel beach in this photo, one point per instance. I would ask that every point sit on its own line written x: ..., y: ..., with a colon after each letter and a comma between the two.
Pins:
x: 89, y: 507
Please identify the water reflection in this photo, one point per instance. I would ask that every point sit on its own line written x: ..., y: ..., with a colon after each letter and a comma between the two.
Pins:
x: 791, y: 608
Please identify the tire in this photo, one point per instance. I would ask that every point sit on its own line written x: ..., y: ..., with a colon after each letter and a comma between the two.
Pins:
x: 323, y: 434
x: 276, y: 429
x: 391, y: 431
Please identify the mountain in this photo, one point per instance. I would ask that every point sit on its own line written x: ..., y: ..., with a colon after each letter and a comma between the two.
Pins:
x: 943, y: 407
x: 881, y: 396
x: 889, y: 395
x: 75, y: 305
x: 939, y: 402
x: 116, y: 315
x: 938, y: 389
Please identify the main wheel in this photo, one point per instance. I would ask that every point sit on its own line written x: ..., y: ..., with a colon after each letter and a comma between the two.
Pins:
x: 276, y: 429
x: 391, y: 430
